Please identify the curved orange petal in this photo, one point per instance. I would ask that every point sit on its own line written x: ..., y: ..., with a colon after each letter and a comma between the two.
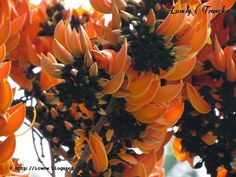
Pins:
x: 47, y: 82
x: 119, y: 61
x: 102, y: 6
x: 84, y: 40
x: 114, y: 161
x: 17, y: 24
x: 131, y: 76
x: 75, y: 44
x: 45, y: 42
x: 85, y: 110
x: 146, y: 147
x: 99, y: 156
x: 14, y: 120
x: 138, y: 170
x: 46, y: 75
x: 151, y: 139
x: 222, y: 172
x: 231, y: 70
x: 22, y: 7
x: 89, y: 28
x: 128, y: 158
x: 209, y: 139
x: 167, y: 93
x: 116, y: 20
x: 197, y: 100
x: 5, y: 31
x: 109, y: 35
x: 174, y: 112
x: 62, y: 53
x: 174, y: 22
x: 7, y: 148
x: 217, y: 57
x: 158, y: 133
x: 200, y: 38
x: 121, y: 94
x: 59, y: 31
x: 187, y: 35
x: 5, y: 9
x: 178, y: 72
x: 6, y: 95
x: 131, y: 108
x: 19, y: 77
x: 31, y: 53
x: 114, y: 84
x: 229, y: 52
x: 50, y: 66
x: 149, y: 113
x: 2, y: 52
x: 151, y: 18
x: 166, y: 22
x: 149, y: 161
x: 5, y: 168
x: 160, y: 155
x: 178, y: 150
x: 168, y: 137
x: 5, y: 68
x: 3, y: 120
x: 147, y: 97
x: 177, y: 22
x: 13, y: 42
x: 68, y: 38
x: 104, y: 58
x: 140, y: 86
x: 227, y: 3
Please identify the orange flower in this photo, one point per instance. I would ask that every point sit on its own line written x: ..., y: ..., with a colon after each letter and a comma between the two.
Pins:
x: 179, y: 152
x: 147, y: 165
x: 222, y: 59
x: 8, y: 169
x: 197, y: 100
x: 99, y: 156
x: 222, y: 172
x: 79, y: 145
x: 14, y: 118
x: 103, y: 6
x: 11, y: 118
x: 50, y: 72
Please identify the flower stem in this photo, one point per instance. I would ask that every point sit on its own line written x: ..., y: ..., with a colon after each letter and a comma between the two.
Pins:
x: 52, y: 160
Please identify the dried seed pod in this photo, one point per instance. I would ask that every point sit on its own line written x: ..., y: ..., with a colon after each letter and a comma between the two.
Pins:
x: 68, y: 125
x: 49, y: 128
x: 88, y: 59
x: 55, y: 140
x: 74, y: 72
x: 151, y: 18
x: 93, y: 70
x: 102, y: 112
x: 54, y: 113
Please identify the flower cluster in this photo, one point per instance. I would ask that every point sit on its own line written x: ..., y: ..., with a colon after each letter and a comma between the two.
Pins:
x: 207, y: 127
x: 110, y: 96
x: 11, y: 116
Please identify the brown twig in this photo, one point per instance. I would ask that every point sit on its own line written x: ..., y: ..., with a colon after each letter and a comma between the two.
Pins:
x: 36, y: 151
x: 52, y: 160
x: 97, y: 128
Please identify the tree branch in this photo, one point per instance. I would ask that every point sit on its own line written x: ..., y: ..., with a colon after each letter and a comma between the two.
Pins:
x: 36, y: 151
x: 52, y: 160
x: 97, y: 128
